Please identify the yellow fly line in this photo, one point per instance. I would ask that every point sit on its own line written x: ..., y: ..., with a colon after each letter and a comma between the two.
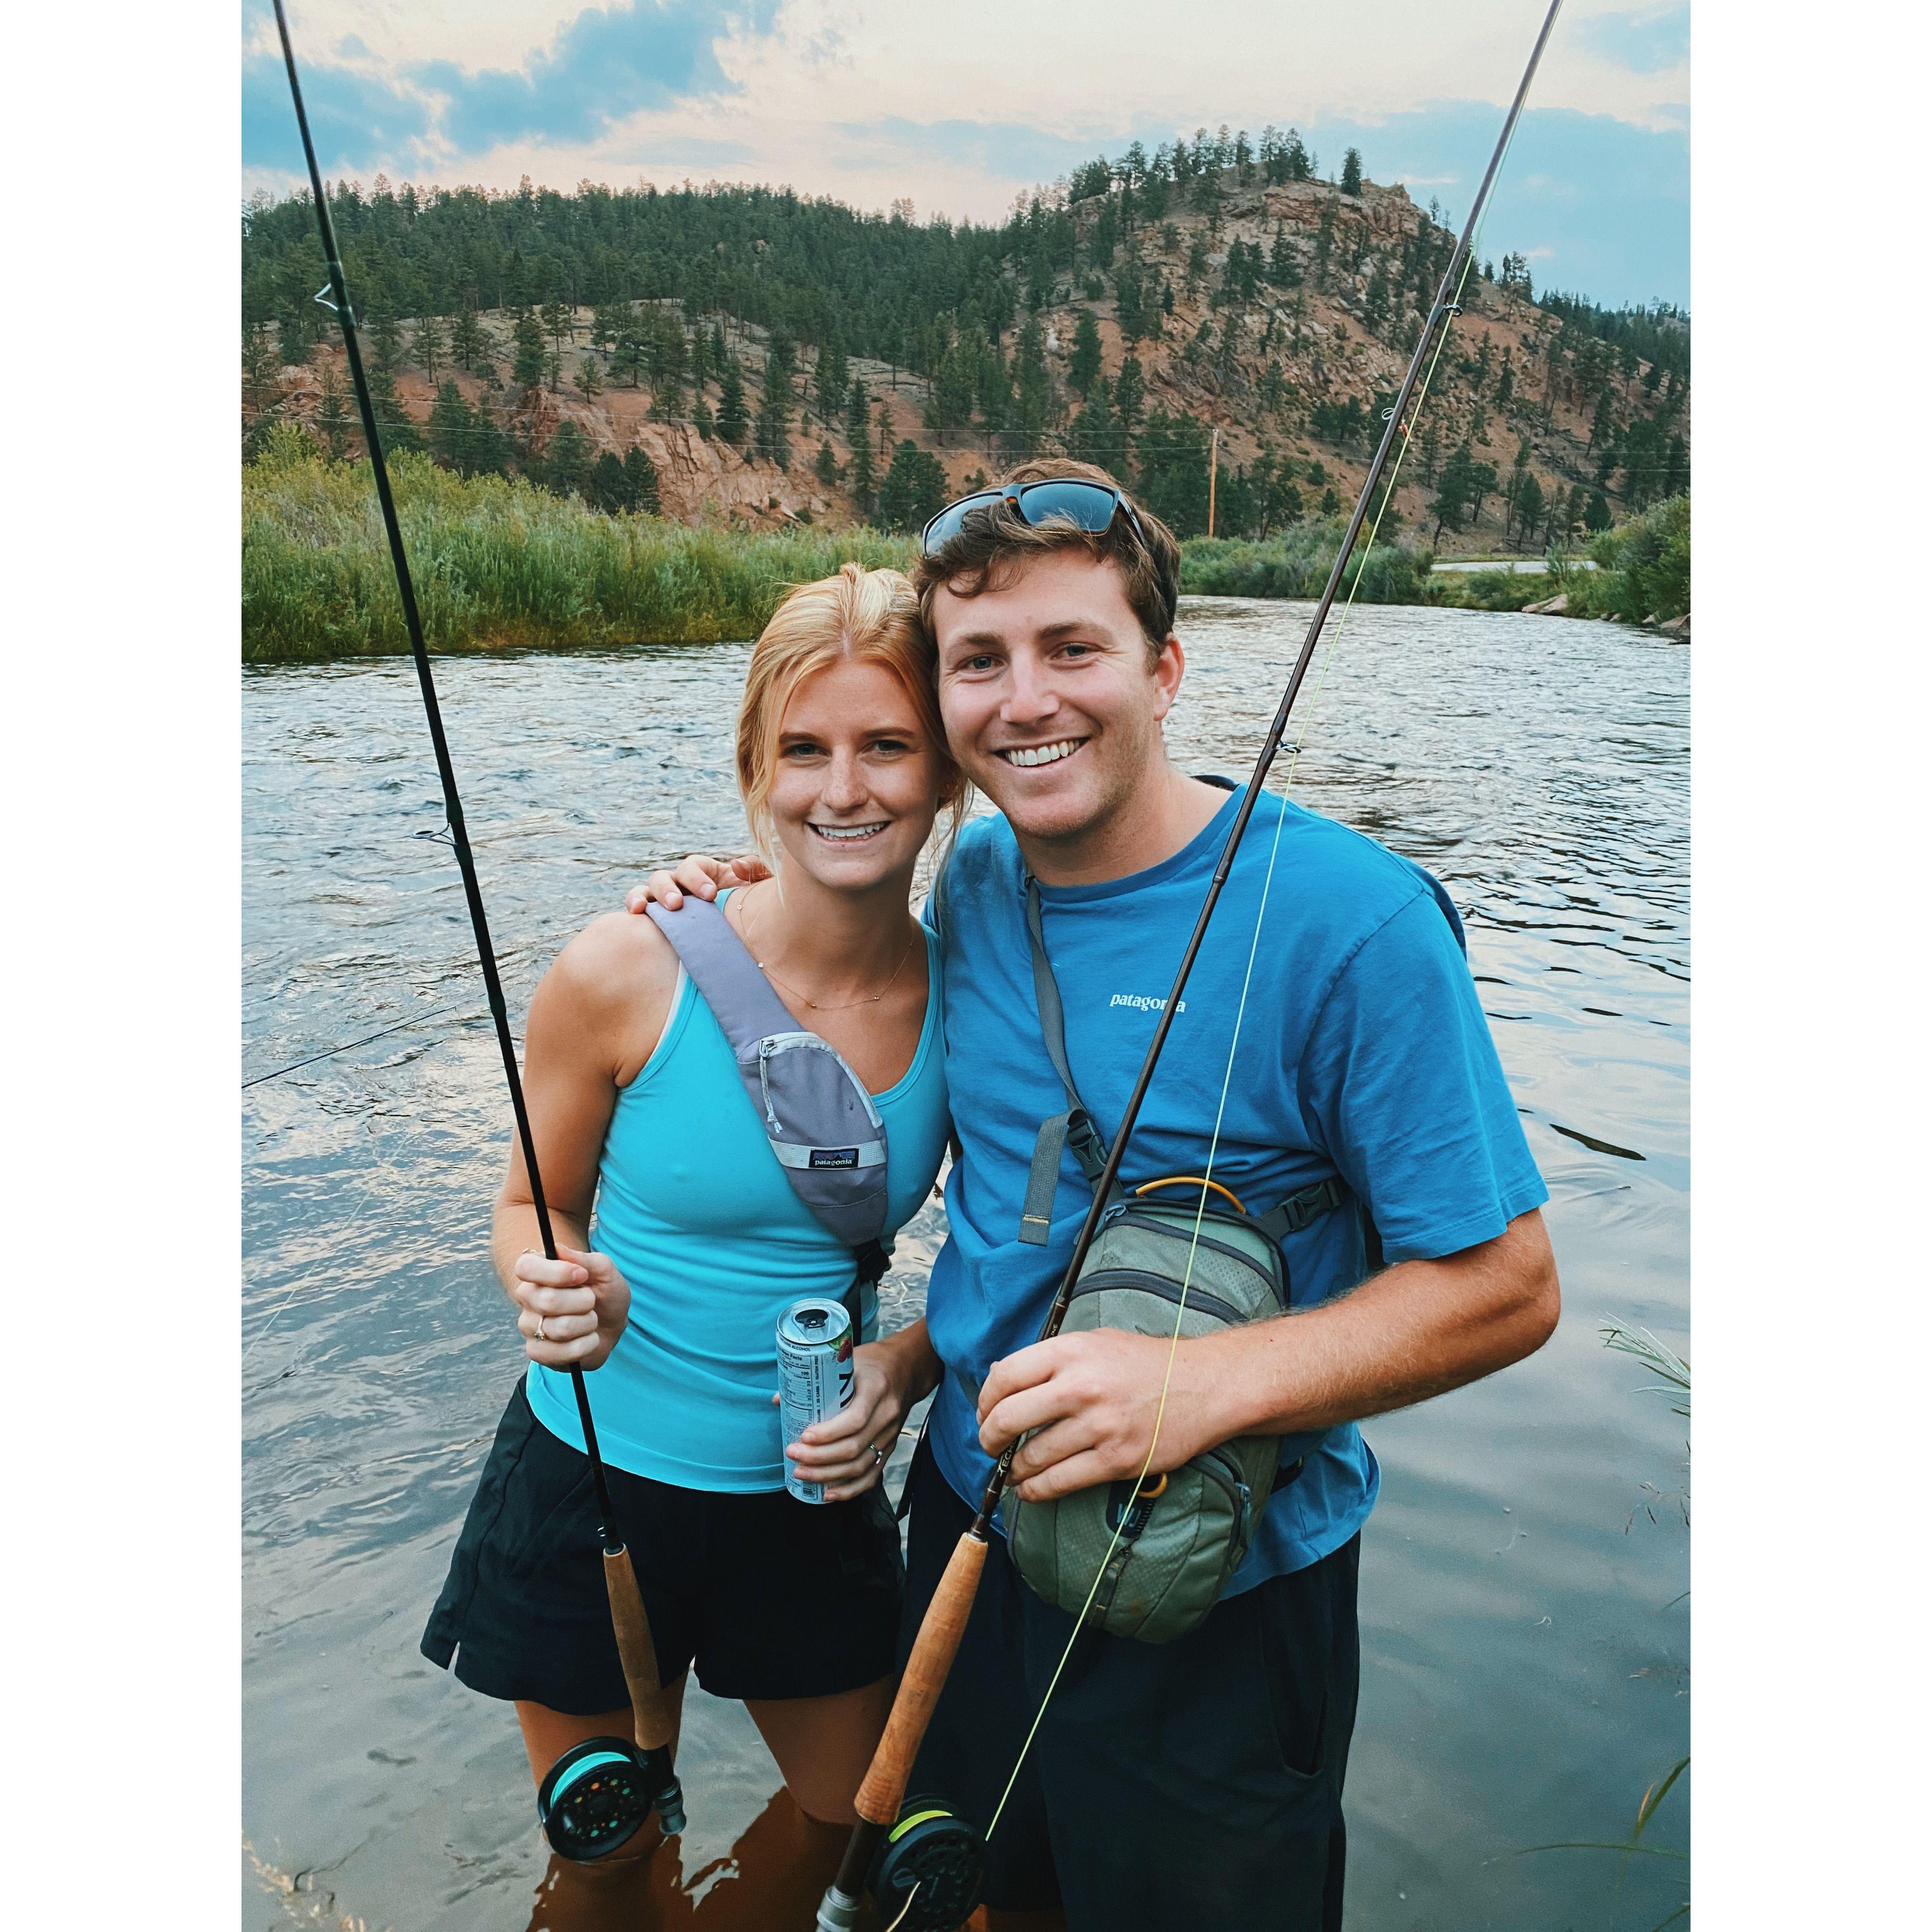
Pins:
x: 1206, y: 1178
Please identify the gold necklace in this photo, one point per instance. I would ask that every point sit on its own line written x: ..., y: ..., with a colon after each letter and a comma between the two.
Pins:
x: 845, y: 1006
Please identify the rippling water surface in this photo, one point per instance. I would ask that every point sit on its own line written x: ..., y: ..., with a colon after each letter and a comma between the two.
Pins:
x: 1524, y: 1626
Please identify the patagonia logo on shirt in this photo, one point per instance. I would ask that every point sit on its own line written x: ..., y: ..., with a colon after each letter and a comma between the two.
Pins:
x: 834, y: 1157
x: 1144, y: 1003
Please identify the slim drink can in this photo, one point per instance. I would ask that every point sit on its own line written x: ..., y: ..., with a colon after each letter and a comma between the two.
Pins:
x: 814, y: 1374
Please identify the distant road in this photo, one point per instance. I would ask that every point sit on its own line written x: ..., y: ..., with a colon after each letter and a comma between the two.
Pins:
x: 1520, y: 566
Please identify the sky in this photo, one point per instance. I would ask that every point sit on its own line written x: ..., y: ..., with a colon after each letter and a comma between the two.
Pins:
x: 960, y: 110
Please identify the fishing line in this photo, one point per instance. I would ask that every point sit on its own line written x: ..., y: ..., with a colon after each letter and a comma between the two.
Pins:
x: 943, y: 1623
x: 600, y: 1794
x: 1389, y: 490
x: 349, y: 1046
x: 1240, y: 1012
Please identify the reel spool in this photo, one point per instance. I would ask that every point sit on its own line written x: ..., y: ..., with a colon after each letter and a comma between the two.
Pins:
x: 600, y: 1793
x: 928, y: 1874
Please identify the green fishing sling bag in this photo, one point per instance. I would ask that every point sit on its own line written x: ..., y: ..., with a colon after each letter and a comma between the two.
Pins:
x: 1150, y: 1561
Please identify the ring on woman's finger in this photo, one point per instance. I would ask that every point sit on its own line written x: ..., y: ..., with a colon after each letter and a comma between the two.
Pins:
x: 540, y: 1335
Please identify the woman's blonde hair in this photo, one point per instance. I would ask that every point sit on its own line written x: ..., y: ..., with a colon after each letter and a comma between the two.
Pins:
x: 859, y: 616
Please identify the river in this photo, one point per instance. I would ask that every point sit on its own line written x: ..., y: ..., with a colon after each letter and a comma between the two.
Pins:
x: 1524, y: 1594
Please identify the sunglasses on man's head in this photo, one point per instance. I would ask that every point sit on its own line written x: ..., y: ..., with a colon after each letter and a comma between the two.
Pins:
x: 1067, y: 499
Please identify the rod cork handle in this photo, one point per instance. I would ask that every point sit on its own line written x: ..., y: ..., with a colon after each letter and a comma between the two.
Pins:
x: 636, y: 1652
x: 933, y: 1649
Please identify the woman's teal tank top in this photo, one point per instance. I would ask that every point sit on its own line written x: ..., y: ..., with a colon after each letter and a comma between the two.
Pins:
x: 699, y: 1216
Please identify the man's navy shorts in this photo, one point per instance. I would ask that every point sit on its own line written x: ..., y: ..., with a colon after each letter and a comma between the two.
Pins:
x: 1192, y: 1783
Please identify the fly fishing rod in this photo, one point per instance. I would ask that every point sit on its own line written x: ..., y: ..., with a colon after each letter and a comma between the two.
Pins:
x: 931, y: 1876
x: 601, y: 1792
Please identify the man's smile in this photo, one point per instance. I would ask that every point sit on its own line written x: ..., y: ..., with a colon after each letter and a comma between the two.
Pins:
x: 1039, y: 754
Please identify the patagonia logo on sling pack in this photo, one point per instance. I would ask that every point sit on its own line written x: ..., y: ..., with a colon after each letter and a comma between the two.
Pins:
x: 834, y: 1157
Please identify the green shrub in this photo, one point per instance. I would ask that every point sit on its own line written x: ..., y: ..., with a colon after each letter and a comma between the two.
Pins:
x: 1296, y: 564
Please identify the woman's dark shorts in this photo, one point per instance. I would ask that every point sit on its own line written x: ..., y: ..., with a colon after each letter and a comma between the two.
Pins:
x: 768, y: 1596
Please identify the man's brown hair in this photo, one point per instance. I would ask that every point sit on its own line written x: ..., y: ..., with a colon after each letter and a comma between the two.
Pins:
x: 995, y: 542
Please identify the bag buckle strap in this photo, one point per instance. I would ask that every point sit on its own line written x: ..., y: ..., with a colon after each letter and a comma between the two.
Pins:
x: 1073, y: 1129
x: 1303, y: 1208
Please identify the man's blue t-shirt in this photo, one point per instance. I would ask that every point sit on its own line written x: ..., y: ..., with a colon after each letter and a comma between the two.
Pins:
x: 1362, y: 1052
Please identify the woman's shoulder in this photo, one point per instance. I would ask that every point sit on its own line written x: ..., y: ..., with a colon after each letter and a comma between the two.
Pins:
x: 617, y: 976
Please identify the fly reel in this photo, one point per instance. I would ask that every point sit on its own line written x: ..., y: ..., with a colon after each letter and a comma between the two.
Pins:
x: 600, y: 1794
x: 928, y: 1874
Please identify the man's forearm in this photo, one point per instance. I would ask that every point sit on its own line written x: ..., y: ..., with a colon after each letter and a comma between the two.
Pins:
x: 1417, y: 1329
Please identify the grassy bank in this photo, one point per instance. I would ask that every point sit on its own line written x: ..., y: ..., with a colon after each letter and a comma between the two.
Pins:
x: 1643, y: 570
x: 498, y: 563
x: 1296, y: 564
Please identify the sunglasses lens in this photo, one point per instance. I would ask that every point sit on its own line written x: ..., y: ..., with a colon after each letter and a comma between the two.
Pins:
x: 946, y: 524
x: 1085, y: 506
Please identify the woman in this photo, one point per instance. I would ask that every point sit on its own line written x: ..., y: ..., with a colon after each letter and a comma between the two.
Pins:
x: 639, y: 1113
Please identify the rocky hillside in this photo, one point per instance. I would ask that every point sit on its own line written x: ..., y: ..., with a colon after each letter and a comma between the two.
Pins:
x: 1240, y: 351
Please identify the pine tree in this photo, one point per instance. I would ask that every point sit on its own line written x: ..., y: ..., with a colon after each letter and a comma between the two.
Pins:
x: 914, y: 490
x: 733, y: 420
x: 1094, y: 436
x: 332, y: 417
x: 1597, y: 513
x: 1351, y: 172
x: 589, y: 379
x: 833, y: 378
x: 292, y: 342
x: 859, y: 479
x: 558, y: 321
x: 527, y: 366
x: 950, y: 407
x: 393, y: 422
x: 610, y: 487
x: 1129, y: 400
x: 1084, y: 368
x: 553, y: 371
x: 826, y: 467
x: 629, y: 350
x: 1283, y: 270
x: 567, y: 461
x: 426, y: 346
x: 489, y: 447
x: 1173, y: 472
x: 451, y: 428
x: 261, y: 370
x: 386, y: 341
x: 1603, y: 424
x: 642, y: 476
x: 468, y: 348
x: 774, y: 436
x: 1456, y: 489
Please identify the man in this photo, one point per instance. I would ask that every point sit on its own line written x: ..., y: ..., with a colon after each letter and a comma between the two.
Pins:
x: 1330, y: 1031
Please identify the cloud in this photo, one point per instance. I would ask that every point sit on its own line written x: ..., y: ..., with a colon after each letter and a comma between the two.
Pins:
x: 1004, y: 149
x: 602, y: 67
x: 1655, y: 40
x: 353, y: 115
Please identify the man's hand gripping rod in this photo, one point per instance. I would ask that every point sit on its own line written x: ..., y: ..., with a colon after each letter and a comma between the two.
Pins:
x: 884, y: 1788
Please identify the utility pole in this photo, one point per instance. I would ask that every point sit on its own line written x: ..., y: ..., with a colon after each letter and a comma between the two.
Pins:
x: 1213, y: 464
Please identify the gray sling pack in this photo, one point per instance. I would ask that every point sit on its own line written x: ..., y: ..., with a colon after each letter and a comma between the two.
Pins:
x: 824, y: 1129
